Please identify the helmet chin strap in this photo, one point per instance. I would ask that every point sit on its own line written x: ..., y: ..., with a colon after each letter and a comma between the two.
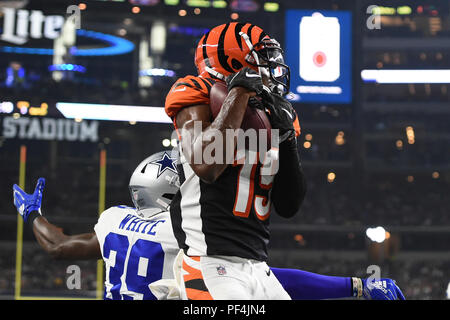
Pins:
x: 215, y: 73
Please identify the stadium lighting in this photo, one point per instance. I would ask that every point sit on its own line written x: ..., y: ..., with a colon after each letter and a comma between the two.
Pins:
x: 404, y: 10
x: 406, y: 76
x: 377, y: 234
x: 156, y: 72
x: 116, y: 46
x: 112, y: 112
x: 271, y: 6
x: 166, y: 143
x: 219, y: 4
x: 331, y: 176
x: 6, y: 107
x: 67, y: 67
x: 410, y: 134
x: 198, y: 3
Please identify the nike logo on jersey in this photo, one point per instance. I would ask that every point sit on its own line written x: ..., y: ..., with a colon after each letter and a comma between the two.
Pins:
x: 268, y: 273
x: 183, y: 89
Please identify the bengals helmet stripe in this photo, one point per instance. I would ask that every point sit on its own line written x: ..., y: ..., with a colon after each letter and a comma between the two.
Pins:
x: 223, y: 50
x: 205, y: 56
x: 249, y: 31
x: 238, y: 37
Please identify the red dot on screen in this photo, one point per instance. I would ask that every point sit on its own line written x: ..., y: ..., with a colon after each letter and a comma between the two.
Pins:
x: 319, y: 59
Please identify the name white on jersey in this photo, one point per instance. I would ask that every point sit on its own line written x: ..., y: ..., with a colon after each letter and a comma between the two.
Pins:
x: 136, y: 252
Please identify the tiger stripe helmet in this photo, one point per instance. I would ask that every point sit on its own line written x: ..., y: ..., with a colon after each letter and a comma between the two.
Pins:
x: 228, y: 48
x: 223, y: 49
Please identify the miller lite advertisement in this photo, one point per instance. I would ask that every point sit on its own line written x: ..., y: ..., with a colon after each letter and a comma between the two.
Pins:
x: 318, y: 50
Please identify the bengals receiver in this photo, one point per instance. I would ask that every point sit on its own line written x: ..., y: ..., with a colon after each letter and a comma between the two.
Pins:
x: 221, y: 213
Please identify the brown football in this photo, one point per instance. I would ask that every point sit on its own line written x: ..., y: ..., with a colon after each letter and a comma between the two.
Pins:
x: 253, y: 118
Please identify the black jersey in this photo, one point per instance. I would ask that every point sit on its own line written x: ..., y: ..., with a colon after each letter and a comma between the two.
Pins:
x: 228, y: 217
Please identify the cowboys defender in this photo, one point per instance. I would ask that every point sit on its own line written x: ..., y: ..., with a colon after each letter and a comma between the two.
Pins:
x: 139, y: 248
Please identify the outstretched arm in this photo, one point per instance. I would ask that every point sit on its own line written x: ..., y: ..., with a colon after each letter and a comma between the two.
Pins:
x: 52, y: 238
x: 303, y: 285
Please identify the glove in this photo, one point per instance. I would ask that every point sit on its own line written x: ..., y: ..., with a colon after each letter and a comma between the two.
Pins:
x: 383, y: 289
x: 246, y: 78
x: 28, y: 203
x: 282, y: 115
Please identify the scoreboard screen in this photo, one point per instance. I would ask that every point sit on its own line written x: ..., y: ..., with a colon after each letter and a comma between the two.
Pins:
x: 319, y: 53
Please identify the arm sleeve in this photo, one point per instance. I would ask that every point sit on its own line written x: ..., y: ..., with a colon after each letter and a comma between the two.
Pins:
x: 289, y: 188
x: 303, y: 285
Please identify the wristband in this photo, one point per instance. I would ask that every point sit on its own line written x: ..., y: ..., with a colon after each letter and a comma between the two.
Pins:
x: 357, y: 288
x: 33, y: 215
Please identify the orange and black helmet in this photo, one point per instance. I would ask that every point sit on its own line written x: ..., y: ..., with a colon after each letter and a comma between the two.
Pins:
x: 228, y: 48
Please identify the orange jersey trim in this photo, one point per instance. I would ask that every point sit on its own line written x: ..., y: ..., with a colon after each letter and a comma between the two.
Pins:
x: 188, y: 91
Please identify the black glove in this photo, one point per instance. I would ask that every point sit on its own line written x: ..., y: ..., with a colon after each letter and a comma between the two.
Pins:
x: 282, y: 115
x: 246, y: 78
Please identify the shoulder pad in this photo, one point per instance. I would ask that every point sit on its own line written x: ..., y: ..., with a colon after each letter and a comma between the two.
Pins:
x: 188, y: 91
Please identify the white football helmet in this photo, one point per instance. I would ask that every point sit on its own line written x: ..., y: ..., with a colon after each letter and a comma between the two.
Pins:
x: 155, y: 181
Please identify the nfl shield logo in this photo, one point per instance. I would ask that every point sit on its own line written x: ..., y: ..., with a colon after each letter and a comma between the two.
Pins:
x: 221, y: 270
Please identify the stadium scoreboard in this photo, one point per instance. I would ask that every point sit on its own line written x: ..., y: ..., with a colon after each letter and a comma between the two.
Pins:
x: 319, y: 53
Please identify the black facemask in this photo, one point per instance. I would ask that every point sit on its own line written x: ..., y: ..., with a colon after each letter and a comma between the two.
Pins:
x: 271, y: 57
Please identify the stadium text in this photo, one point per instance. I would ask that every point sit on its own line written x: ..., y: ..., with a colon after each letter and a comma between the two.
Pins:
x: 50, y: 129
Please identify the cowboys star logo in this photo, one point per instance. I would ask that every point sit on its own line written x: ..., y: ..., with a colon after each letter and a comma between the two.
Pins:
x: 165, y: 163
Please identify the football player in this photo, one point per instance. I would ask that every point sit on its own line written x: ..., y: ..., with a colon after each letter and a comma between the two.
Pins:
x: 139, y: 248
x: 221, y: 214
x: 136, y: 244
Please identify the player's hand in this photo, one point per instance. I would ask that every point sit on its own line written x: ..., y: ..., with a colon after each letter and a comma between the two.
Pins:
x: 27, y: 203
x: 282, y: 115
x: 383, y: 289
x: 246, y: 78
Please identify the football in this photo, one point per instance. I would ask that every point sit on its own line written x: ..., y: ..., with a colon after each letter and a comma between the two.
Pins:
x: 253, y: 118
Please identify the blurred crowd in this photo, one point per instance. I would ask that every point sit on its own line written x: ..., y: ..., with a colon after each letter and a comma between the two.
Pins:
x: 418, y: 279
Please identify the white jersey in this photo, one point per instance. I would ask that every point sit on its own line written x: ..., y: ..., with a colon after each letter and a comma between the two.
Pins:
x: 136, y: 251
